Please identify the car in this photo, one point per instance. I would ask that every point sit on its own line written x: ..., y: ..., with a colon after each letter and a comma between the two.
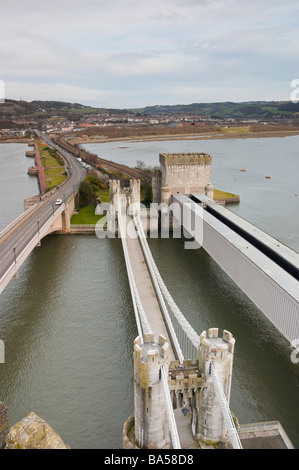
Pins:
x: 58, y: 202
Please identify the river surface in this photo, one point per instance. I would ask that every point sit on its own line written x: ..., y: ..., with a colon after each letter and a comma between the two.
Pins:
x: 271, y: 204
x: 68, y: 324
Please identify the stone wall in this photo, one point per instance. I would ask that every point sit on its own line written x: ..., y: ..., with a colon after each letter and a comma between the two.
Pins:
x: 183, y: 173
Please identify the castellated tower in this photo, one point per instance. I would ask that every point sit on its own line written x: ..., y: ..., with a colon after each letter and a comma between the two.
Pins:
x: 210, y: 426
x: 151, y: 424
x: 135, y: 192
x: 209, y: 191
x: 132, y: 193
x: 114, y: 189
x: 183, y: 173
x: 156, y: 186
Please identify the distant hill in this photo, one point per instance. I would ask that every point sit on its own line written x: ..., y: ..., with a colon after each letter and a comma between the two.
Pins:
x: 37, y: 108
x: 56, y: 105
x: 247, y: 110
x: 12, y: 107
x: 44, y: 109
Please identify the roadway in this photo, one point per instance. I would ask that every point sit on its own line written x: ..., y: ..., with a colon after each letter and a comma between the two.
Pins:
x: 146, y: 290
x: 22, y: 231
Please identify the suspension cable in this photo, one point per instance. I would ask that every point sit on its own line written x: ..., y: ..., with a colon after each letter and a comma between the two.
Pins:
x: 174, y: 338
x: 169, y: 410
x: 141, y: 319
x: 232, y: 431
x: 185, y: 325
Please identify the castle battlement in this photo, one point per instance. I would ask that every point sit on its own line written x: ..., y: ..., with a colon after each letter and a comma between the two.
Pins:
x: 185, y: 159
x: 182, y: 173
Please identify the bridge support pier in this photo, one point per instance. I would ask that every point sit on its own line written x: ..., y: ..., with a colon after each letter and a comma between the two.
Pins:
x: 151, y: 424
x: 63, y: 223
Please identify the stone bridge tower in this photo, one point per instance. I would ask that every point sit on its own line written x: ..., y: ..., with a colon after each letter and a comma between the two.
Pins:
x: 131, y: 192
x: 151, y: 424
x: 210, y: 425
x: 191, y: 388
x: 183, y: 173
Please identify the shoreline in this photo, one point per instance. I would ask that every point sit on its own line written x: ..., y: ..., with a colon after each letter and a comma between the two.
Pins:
x: 211, y: 136
x: 162, y: 137
x: 16, y: 141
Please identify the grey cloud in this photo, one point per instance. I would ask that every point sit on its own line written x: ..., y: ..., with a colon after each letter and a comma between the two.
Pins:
x: 135, y: 49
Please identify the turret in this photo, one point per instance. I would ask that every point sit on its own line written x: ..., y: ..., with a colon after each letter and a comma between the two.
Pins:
x: 209, y: 190
x: 218, y: 352
x: 151, y: 424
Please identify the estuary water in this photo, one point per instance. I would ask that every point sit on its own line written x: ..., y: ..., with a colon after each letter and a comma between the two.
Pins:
x: 271, y: 204
x: 68, y: 324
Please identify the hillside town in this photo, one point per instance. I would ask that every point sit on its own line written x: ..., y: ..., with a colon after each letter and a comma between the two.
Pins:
x: 20, y: 119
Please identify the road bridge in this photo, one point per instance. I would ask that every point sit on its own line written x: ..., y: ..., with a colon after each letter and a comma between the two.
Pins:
x: 44, y: 217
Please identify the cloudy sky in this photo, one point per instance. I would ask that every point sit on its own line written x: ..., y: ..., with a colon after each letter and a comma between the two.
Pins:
x: 135, y: 53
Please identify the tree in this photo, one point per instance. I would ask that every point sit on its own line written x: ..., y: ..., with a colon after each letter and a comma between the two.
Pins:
x: 140, y: 165
x: 86, y: 194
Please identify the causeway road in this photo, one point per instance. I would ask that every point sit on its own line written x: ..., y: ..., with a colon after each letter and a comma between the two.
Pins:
x: 16, y: 237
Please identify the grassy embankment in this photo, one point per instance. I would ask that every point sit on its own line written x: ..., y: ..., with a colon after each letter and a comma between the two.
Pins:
x: 225, y: 196
x: 86, y: 216
x: 53, y: 165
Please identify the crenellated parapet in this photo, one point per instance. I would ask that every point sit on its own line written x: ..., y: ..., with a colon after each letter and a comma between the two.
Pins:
x: 191, y: 387
x: 185, y: 158
x: 132, y: 193
x: 184, y: 383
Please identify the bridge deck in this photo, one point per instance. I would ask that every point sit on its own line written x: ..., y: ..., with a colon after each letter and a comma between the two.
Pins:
x: 273, y: 289
x: 145, y: 288
x: 276, y: 250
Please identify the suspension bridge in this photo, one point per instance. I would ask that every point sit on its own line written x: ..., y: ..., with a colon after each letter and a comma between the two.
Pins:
x: 157, y: 315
